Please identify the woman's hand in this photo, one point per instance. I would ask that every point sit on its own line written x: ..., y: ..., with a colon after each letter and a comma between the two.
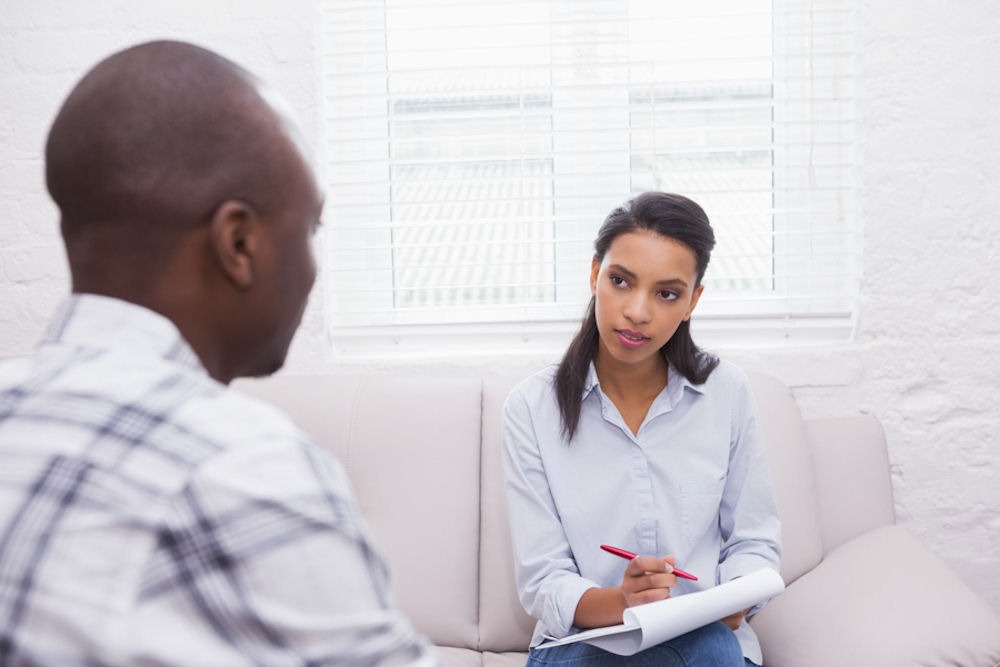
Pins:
x: 648, y: 579
x: 735, y: 620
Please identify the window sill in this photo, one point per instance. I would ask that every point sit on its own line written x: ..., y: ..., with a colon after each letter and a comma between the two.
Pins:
x: 548, y: 339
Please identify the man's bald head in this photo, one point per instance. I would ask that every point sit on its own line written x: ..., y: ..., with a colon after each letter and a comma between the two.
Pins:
x: 184, y: 187
x: 152, y: 139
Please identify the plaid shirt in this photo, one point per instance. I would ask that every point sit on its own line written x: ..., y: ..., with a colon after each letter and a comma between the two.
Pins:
x: 150, y: 515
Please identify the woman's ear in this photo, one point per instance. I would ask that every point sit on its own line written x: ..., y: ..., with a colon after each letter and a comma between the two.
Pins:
x: 595, y: 268
x: 234, y: 241
x: 694, y: 301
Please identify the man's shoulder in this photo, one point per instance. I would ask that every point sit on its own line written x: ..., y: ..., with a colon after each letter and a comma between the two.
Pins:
x: 231, y: 415
x: 13, y: 371
x: 168, y: 421
x: 258, y: 454
x: 243, y: 426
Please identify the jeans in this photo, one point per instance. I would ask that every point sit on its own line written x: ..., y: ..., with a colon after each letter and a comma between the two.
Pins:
x: 713, y: 645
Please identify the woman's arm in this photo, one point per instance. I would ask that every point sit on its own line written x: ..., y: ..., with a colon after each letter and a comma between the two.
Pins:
x: 748, y: 514
x: 646, y: 579
x: 548, y: 581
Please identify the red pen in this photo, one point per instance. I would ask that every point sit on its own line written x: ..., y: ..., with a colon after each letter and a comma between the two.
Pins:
x: 629, y: 555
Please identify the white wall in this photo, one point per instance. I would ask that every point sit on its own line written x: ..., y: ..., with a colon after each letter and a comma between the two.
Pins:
x: 924, y: 359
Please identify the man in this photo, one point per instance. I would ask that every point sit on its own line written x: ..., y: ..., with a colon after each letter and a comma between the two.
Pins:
x: 148, y: 514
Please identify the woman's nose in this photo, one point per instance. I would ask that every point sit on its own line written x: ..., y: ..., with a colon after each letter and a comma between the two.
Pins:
x: 637, y: 308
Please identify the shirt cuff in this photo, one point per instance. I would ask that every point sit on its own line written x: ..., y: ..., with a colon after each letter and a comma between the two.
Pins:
x: 742, y: 565
x: 559, y: 613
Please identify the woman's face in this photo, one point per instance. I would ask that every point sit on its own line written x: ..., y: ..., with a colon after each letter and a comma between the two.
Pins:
x: 643, y: 289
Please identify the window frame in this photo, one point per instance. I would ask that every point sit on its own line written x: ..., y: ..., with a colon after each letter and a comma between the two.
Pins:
x: 546, y: 328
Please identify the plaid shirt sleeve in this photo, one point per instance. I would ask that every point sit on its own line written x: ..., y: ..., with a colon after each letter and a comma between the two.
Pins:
x: 150, y: 516
x: 265, y: 550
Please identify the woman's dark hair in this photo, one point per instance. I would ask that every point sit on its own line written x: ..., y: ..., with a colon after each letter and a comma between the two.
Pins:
x: 669, y: 215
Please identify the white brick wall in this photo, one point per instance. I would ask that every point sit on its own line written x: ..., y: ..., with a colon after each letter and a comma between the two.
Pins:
x: 925, y: 359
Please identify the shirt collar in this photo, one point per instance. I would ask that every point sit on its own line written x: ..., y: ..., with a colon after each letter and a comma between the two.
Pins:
x: 95, y: 321
x: 676, y: 385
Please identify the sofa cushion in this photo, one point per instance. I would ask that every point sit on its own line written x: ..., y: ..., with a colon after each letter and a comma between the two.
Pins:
x: 792, y: 475
x: 459, y: 657
x: 880, y: 600
x: 410, y: 443
x: 505, y: 626
x: 510, y: 659
x: 320, y: 404
x: 414, y: 458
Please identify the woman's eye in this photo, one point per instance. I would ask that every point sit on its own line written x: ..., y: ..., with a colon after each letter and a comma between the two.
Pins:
x: 617, y: 281
x: 667, y: 295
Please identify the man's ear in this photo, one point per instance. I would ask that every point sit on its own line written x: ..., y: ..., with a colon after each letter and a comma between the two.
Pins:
x: 233, y: 231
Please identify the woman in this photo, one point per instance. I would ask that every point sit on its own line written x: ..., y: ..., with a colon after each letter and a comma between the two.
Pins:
x: 640, y: 440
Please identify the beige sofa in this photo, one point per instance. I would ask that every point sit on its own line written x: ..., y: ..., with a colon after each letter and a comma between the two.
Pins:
x: 423, y: 451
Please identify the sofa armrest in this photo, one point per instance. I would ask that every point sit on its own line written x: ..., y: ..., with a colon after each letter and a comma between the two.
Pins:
x: 880, y: 600
x: 851, y: 469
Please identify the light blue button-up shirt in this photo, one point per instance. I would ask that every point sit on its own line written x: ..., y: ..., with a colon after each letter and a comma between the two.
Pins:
x: 693, y: 482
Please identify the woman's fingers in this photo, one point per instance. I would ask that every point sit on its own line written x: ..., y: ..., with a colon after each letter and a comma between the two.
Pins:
x: 647, y: 579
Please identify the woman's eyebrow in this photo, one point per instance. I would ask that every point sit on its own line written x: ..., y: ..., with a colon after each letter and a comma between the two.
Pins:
x: 618, y: 268
x: 672, y: 282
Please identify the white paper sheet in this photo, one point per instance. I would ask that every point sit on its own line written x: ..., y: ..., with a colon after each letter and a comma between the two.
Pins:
x: 650, y: 624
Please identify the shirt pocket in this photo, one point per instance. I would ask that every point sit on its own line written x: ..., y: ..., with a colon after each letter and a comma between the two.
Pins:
x: 700, y: 502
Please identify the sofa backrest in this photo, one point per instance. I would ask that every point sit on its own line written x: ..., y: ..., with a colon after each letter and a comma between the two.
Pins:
x: 411, y: 447
x: 506, y: 626
x: 424, y: 454
x: 792, y: 475
x: 849, y: 453
x: 414, y: 455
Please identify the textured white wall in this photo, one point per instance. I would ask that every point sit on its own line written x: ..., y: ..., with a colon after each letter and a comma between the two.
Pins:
x: 45, y: 46
x: 924, y: 360
x: 930, y: 317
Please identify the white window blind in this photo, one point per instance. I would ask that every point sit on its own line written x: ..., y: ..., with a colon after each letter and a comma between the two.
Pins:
x: 473, y: 148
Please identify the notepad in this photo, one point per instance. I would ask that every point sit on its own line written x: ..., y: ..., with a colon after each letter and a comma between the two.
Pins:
x: 655, y: 622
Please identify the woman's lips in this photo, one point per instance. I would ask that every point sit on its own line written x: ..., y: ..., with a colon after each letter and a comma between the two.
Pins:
x: 631, y: 339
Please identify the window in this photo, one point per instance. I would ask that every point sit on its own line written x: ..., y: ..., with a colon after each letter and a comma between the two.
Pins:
x: 473, y: 148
